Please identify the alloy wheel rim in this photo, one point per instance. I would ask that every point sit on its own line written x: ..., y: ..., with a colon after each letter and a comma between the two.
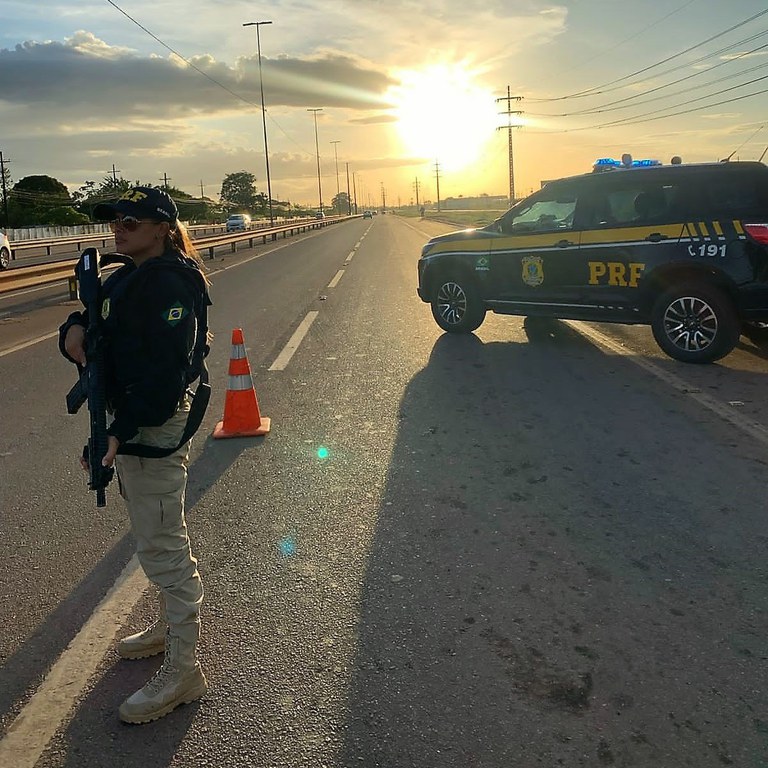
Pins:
x: 690, y: 323
x: 452, y: 303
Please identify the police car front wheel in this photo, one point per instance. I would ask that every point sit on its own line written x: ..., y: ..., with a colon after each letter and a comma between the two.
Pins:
x: 695, y: 323
x: 457, y: 306
x: 5, y: 258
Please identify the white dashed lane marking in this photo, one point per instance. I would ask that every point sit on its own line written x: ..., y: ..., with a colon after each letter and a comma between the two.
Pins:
x: 282, y: 360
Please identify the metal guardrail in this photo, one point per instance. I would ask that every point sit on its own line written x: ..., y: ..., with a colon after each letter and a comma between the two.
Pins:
x: 25, y: 277
x: 93, y: 237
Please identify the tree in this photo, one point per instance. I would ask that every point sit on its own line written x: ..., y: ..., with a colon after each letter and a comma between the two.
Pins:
x: 34, y: 197
x: 238, y: 190
x: 5, y: 193
x: 340, y: 204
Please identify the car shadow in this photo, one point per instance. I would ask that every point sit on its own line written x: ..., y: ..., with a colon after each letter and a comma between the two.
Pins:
x: 514, y: 609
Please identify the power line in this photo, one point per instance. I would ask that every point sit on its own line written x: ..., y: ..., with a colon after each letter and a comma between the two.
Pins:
x: 621, y: 103
x: 598, y: 89
x: 634, y: 121
x: 633, y: 36
x: 204, y: 74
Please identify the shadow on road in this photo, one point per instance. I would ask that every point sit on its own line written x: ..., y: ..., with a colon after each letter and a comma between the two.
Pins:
x: 547, y: 584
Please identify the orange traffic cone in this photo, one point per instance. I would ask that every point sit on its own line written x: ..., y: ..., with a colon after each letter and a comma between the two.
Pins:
x: 241, y: 408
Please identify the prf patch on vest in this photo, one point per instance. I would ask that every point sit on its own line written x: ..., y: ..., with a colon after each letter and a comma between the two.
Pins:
x: 105, y: 309
x: 175, y: 314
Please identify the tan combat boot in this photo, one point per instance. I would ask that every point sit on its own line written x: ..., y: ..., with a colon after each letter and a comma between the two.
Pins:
x: 178, y: 681
x: 148, y: 642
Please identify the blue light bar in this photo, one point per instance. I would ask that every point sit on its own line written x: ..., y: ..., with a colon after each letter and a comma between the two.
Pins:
x: 609, y: 162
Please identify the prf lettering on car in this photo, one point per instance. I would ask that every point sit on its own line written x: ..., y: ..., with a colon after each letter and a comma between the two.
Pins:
x: 615, y: 273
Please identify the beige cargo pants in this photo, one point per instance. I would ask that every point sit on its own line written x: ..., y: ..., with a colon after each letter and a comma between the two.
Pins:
x: 154, y: 490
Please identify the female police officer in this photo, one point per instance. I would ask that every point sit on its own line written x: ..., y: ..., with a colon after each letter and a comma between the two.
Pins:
x: 153, y: 314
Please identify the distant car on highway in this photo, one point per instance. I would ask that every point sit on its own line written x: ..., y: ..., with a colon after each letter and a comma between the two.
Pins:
x: 367, y: 214
x: 238, y: 221
x: 5, y: 251
x: 320, y: 215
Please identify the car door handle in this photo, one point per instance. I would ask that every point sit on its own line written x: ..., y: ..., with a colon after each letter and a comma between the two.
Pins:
x: 656, y: 237
x: 564, y: 243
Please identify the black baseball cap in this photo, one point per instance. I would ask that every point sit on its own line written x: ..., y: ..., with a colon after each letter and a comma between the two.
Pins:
x: 141, y: 202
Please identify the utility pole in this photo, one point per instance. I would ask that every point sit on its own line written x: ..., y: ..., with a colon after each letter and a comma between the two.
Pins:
x: 437, y: 179
x: 314, y: 112
x: 416, y: 185
x: 354, y: 190
x: 383, y: 198
x: 349, y: 199
x: 336, y: 155
x: 258, y: 25
x: 114, y: 175
x: 202, y: 191
x: 3, y: 163
x: 509, y: 112
x: 165, y: 181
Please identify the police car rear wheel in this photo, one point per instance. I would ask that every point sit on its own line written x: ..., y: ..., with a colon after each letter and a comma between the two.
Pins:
x: 457, y: 307
x: 695, y: 323
x: 5, y: 258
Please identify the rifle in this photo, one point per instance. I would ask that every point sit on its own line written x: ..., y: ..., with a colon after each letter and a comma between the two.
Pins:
x: 90, y: 386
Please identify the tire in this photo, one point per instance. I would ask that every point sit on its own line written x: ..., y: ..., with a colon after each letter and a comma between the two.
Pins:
x: 5, y: 258
x: 695, y: 323
x: 456, y: 304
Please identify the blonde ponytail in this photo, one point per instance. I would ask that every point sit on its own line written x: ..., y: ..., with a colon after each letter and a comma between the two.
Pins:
x: 178, y: 238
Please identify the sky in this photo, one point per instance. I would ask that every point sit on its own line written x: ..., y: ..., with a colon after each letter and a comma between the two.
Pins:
x: 408, y: 91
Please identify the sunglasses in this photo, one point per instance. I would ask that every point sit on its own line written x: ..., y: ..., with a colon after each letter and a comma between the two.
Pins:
x: 128, y: 223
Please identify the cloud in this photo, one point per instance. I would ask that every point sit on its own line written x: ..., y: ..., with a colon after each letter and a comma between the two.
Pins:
x: 71, y: 105
x: 381, y: 119
x: 86, y: 73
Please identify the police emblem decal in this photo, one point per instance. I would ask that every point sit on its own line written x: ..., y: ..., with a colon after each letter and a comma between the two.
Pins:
x: 533, y: 270
x: 105, y: 309
x: 481, y: 265
x: 175, y: 314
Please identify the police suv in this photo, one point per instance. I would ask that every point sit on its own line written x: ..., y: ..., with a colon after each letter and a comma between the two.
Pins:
x: 681, y: 247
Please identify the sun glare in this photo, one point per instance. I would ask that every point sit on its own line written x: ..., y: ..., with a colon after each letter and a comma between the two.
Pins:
x: 443, y: 114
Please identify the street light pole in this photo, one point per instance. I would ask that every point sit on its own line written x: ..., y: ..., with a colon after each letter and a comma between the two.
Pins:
x: 257, y: 24
x: 314, y: 111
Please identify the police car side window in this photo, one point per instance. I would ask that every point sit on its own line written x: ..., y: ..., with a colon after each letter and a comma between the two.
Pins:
x: 735, y: 198
x: 544, y: 214
x: 634, y: 202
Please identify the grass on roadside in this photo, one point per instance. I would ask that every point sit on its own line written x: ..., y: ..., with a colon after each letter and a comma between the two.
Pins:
x: 463, y: 219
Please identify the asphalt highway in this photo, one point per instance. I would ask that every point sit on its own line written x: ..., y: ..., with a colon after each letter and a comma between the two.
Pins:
x: 543, y: 544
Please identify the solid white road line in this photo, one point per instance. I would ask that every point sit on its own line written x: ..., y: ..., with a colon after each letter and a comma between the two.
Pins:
x: 30, y: 343
x: 336, y: 279
x: 51, y: 705
x: 285, y: 356
x: 749, y: 427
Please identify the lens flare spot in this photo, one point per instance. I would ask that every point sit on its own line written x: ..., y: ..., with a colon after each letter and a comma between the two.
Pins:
x: 287, y: 546
x: 323, y: 452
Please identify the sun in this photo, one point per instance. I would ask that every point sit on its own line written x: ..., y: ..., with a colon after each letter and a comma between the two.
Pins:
x: 442, y: 113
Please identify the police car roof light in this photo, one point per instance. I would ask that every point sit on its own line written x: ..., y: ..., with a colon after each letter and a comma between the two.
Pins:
x: 609, y: 162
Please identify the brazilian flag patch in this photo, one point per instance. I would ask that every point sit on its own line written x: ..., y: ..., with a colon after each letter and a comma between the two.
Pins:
x: 175, y: 314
